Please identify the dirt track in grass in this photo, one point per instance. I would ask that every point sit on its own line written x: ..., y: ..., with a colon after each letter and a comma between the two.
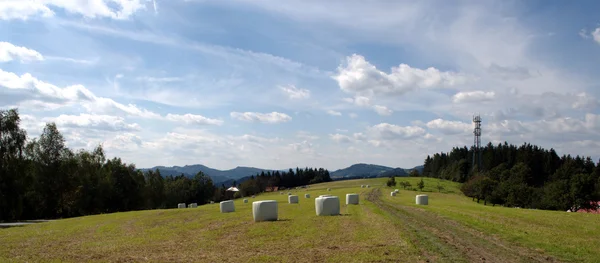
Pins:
x: 443, y: 240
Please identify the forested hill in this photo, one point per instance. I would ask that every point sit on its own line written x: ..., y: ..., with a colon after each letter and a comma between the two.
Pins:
x: 218, y: 176
x: 524, y: 176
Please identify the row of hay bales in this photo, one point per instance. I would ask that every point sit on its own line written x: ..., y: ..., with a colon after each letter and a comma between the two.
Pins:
x: 267, y: 210
x: 419, y: 199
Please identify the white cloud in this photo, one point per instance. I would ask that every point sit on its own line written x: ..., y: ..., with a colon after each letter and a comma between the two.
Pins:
x: 340, y: 138
x: 193, y: 119
x: 96, y: 122
x: 386, y: 131
x: 295, y: 93
x: 362, y: 101
x: 353, y: 115
x: 273, y: 117
x: 360, y: 77
x: 306, y: 135
x: 449, y: 127
x: 473, y: 96
x: 334, y: 113
x: 518, y: 73
x: 382, y: 110
x: 23, y: 9
x: 26, y: 89
x: 596, y: 35
x: 115, y: 9
x: 10, y: 52
x: 304, y: 147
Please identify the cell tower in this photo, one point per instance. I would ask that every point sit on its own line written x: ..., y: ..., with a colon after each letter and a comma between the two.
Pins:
x: 477, y: 141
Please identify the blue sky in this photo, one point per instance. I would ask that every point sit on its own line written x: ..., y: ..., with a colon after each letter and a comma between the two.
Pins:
x: 305, y: 83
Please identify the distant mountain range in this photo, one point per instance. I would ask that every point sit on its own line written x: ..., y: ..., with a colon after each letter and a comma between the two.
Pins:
x: 240, y: 174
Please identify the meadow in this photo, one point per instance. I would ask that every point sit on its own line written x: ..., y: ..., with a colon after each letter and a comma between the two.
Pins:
x: 452, y: 228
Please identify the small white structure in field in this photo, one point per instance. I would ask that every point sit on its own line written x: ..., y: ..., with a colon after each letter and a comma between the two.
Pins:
x: 227, y: 206
x: 362, y: 186
x: 181, y: 205
x: 212, y: 202
x: 422, y: 200
x: 328, y: 189
x: 253, y: 196
x: 280, y: 193
x: 327, y: 206
x: 307, y: 195
x: 245, y: 201
x: 396, y: 190
x: 289, y: 193
x: 264, y: 210
x: 292, y: 199
x: 193, y: 205
x: 393, y: 193
x: 368, y: 186
x: 352, y: 199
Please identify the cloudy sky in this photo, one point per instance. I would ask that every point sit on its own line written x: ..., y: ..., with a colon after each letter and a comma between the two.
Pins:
x: 278, y: 84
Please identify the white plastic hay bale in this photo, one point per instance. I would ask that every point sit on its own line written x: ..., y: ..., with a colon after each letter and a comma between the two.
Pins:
x: 212, y: 202
x: 264, y: 210
x: 327, y: 206
x: 227, y: 206
x: 362, y: 186
x: 292, y: 199
x: 422, y: 200
x: 307, y: 195
x: 393, y: 193
x: 181, y: 205
x: 193, y: 205
x: 368, y: 186
x: 397, y: 191
x: 328, y: 189
x: 245, y: 201
x: 289, y: 193
x: 352, y: 199
x: 253, y: 196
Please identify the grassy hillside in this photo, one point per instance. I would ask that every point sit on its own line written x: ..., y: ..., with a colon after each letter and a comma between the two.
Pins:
x: 451, y: 229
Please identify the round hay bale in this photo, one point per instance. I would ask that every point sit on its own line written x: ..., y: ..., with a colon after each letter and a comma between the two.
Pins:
x: 227, y: 206
x: 368, y: 186
x: 292, y: 199
x: 193, y: 205
x: 307, y: 195
x: 245, y: 201
x: 289, y: 193
x: 212, y: 202
x: 327, y: 206
x: 265, y: 210
x: 422, y: 200
x: 352, y: 199
x: 362, y: 186
x: 396, y: 190
x: 328, y: 189
x: 181, y: 205
x: 393, y: 193
x: 253, y: 196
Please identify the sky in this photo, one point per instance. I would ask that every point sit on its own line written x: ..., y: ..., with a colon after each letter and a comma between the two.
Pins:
x: 274, y: 84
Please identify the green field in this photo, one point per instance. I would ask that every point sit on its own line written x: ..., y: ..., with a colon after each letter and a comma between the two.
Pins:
x: 452, y: 228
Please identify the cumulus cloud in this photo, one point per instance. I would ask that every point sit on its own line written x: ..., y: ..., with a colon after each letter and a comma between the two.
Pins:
x: 96, y: 122
x: 193, y: 119
x: 473, y: 96
x: 353, y: 115
x: 306, y: 135
x: 334, y: 113
x: 382, y: 110
x: 386, y: 131
x: 115, y: 9
x: 10, y: 52
x: 358, y: 76
x: 304, y: 147
x: 273, y: 117
x: 449, y: 127
x: 340, y: 138
x: 295, y: 93
x: 596, y: 35
x: 26, y: 88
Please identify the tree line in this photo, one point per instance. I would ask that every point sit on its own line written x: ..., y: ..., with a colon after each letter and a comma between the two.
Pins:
x: 43, y: 178
x: 260, y: 182
x: 525, y: 176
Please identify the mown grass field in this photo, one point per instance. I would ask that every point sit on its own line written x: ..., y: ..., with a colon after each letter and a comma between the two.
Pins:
x: 451, y: 228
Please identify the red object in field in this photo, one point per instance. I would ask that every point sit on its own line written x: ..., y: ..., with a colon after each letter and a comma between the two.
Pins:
x: 591, y: 211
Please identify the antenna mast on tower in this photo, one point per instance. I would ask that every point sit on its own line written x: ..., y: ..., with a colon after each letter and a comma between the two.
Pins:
x: 477, y: 141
